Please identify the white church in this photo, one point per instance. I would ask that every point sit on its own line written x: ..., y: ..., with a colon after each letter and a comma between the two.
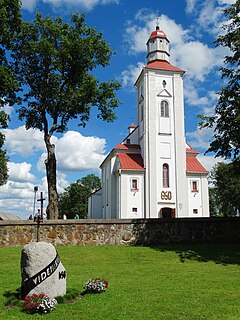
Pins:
x: 153, y: 172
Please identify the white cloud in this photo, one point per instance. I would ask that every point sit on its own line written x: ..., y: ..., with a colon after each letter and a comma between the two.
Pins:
x: 192, y: 55
x: 130, y: 75
x: 226, y: 2
x: 20, y: 172
x: 24, y: 142
x: 210, y: 17
x: 190, y: 6
x: 29, y: 4
x: 73, y: 151
x: 200, y: 139
x: 17, y: 195
x: 209, y: 161
x: 62, y: 183
x: 85, y: 4
x: 18, y: 198
x: 77, y: 152
x: 134, y: 34
x: 16, y: 190
x: 7, y: 109
x: 191, y: 94
x: 197, y: 58
x: 20, y: 207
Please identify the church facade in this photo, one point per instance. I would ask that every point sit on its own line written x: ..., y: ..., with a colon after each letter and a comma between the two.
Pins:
x: 153, y: 172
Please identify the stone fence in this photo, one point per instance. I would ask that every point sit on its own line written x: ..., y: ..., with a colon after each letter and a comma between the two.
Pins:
x: 121, y: 232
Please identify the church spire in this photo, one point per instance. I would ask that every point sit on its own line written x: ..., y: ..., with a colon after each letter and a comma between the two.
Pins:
x: 157, y: 24
x: 158, y: 45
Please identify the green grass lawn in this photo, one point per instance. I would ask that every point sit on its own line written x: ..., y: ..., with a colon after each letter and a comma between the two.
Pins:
x: 165, y: 282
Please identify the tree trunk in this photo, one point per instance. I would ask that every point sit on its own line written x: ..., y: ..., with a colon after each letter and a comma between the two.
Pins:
x: 50, y: 162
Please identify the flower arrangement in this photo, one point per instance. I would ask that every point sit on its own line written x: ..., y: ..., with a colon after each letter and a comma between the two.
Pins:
x: 39, y: 303
x: 96, y: 285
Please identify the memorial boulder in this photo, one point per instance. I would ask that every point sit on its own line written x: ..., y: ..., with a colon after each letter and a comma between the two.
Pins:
x: 42, y: 270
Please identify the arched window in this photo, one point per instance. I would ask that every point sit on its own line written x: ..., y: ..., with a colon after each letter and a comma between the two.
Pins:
x: 165, y: 175
x: 164, y: 109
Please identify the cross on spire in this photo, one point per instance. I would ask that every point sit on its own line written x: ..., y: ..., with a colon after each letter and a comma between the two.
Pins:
x: 157, y: 23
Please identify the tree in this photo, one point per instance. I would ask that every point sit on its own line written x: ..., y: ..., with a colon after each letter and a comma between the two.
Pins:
x: 213, y: 202
x: 3, y: 157
x: 226, y: 120
x: 56, y: 61
x: 10, y: 21
x: 75, y: 198
x: 226, y: 183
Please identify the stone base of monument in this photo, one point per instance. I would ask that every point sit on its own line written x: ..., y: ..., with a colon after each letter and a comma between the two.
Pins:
x: 42, y: 270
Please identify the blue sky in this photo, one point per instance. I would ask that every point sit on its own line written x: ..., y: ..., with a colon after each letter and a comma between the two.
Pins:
x: 191, y: 27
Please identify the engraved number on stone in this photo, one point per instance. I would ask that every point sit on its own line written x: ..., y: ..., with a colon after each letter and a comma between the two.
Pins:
x: 62, y: 275
x: 166, y: 195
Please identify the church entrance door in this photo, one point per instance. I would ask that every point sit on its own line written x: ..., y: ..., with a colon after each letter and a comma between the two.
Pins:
x: 167, y: 213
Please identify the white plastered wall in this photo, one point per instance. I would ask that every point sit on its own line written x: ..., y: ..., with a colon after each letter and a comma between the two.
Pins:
x: 198, y: 200
x: 132, y: 198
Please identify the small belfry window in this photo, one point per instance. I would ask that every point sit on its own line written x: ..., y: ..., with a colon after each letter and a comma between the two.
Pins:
x: 134, y: 184
x: 141, y: 112
x: 165, y: 175
x: 164, y: 109
x: 194, y: 186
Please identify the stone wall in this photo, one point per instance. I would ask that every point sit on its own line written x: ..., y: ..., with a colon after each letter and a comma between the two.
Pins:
x: 121, y: 232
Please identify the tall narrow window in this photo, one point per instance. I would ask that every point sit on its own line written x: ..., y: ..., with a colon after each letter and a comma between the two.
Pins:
x: 141, y: 112
x: 164, y: 109
x: 165, y: 175
x: 194, y: 186
x: 107, y: 193
x: 134, y: 184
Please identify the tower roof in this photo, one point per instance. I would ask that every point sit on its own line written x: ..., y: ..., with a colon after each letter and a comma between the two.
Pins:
x: 194, y: 166
x: 158, y: 34
x: 130, y: 161
x: 132, y: 126
x: 163, y: 65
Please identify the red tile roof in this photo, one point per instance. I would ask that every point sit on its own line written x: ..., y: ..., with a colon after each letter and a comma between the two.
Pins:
x: 134, y: 161
x: 162, y: 65
x: 123, y: 146
x: 132, y: 126
x: 190, y: 151
x: 158, y: 34
x: 129, y: 161
x: 194, y: 166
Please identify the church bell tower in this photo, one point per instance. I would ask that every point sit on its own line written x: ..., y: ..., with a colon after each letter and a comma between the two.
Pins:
x: 160, y: 114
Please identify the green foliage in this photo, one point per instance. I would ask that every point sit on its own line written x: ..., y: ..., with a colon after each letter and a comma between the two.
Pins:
x: 55, y: 60
x: 213, y: 202
x: 226, y: 180
x: 10, y: 20
x: 60, y: 299
x: 3, y: 167
x: 226, y: 120
x: 75, y: 198
x: 3, y: 156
